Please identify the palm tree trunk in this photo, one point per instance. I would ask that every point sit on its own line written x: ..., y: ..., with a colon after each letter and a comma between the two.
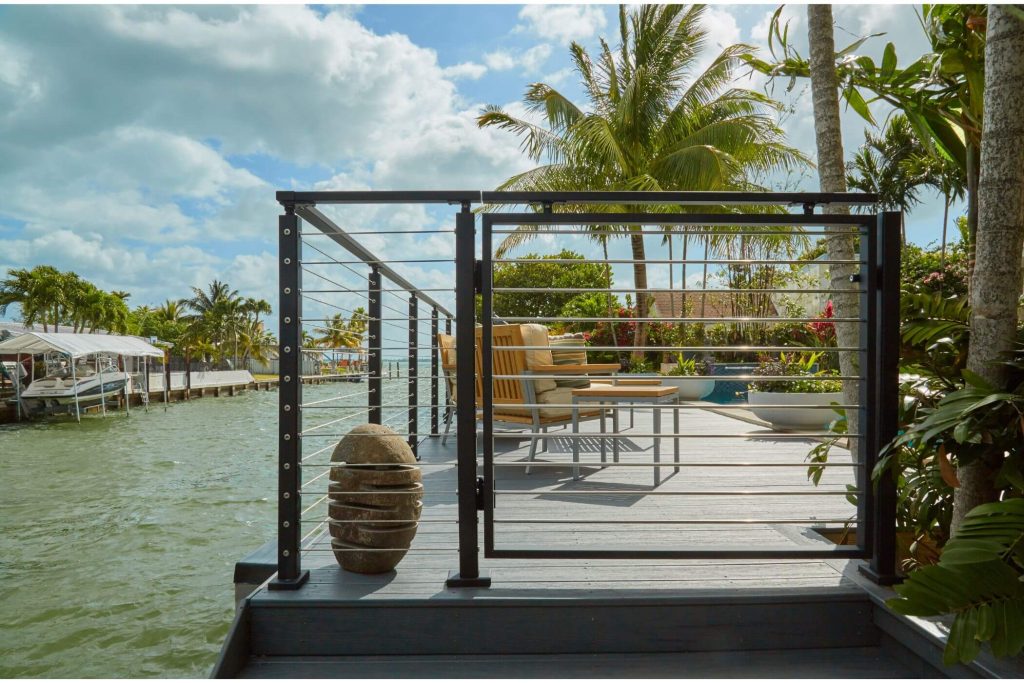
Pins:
x: 973, y: 181
x: 832, y: 178
x: 996, y: 283
x: 640, y: 283
x: 611, y: 309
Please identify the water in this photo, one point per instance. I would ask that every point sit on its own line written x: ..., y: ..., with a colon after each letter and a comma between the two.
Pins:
x: 118, y: 537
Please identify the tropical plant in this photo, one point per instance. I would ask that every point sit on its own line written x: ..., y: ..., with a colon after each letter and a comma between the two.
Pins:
x: 941, y: 93
x: 803, y: 368
x: 690, y: 367
x: 647, y: 125
x: 979, y: 579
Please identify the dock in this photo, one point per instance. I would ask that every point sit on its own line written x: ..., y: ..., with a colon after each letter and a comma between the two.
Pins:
x: 593, y: 617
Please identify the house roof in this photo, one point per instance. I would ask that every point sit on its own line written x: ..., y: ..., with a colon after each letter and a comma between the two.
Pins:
x: 701, y: 304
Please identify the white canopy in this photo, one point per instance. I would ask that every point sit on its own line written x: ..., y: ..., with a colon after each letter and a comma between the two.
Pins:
x: 78, y: 345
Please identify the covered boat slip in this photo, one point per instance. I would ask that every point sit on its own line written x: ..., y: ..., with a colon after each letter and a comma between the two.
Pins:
x: 70, y: 353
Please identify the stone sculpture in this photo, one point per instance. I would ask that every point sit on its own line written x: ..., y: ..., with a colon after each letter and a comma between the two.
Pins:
x: 376, y: 496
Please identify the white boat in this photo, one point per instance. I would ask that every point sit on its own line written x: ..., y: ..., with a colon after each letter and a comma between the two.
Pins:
x: 87, y: 382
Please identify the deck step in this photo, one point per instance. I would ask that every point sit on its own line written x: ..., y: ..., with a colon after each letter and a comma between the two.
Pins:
x: 848, y: 662
x: 544, y: 625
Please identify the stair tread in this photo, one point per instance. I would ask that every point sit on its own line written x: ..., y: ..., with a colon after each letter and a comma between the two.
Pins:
x: 853, y: 662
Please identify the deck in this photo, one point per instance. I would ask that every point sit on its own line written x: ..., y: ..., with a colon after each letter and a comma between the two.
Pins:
x: 576, y: 617
x: 739, y: 487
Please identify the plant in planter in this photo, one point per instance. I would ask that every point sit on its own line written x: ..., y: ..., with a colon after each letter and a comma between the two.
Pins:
x: 795, y: 394
x: 691, y: 376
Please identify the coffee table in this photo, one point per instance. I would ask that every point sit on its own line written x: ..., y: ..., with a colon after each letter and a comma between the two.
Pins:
x: 605, y: 394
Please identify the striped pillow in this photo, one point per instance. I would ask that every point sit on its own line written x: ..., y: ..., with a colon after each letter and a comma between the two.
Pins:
x: 569, y: 350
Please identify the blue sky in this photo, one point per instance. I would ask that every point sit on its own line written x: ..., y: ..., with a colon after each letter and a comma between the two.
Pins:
x: 141, y: 146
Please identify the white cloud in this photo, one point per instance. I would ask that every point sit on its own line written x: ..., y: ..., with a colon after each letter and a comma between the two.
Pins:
x: 530, y: 60
x: 535, y: 57
x: 470, y: 70
x: 500, y: 60
x: 563, y: 23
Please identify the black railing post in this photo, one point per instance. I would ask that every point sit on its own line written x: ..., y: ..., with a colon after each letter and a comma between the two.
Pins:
x: 289, y: 505
x: 882, y: 567
x: 465, y: 361
x: 413, y: 375
x: 374, y: 393
x: 435, y: 392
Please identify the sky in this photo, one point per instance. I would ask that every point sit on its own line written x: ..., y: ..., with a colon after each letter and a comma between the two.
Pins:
x: 141, y: 147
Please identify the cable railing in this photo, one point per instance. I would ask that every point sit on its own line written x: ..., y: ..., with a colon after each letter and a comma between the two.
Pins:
x: 581, y: 448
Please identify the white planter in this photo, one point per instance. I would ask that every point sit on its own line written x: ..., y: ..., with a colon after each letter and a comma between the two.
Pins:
x: 764, y: 405
x: 690, y: 388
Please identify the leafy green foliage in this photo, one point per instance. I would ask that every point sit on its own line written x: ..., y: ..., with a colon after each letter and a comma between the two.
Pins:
x: 980, y: 580
x: 926, y: 271
x: 977, y: 421
x: 545, y: 273
x: 691, y: 367
x: 803, y: 367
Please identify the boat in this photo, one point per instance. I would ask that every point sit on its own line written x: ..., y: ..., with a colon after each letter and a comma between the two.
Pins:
x: 87, y: 380
x: 80, y: 370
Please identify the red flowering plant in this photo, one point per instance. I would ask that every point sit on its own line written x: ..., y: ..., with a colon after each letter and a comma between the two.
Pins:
x: 823, y: 328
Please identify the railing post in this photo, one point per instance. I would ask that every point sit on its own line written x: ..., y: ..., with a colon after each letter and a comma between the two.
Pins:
x: 289, y: 505
x: 374, y: 393
x: 885, y: 398
x: 413, y: 375
x: 434, y: 369
x: 465, y: 361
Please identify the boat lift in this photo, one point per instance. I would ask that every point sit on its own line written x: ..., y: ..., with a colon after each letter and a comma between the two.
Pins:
x: 76, y: 347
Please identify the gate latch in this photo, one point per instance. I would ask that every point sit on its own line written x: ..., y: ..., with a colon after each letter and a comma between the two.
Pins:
x: 478, y: 269
x: 479, y: 493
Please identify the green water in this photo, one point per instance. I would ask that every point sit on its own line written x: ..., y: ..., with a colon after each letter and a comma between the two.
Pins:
x: 118, y: 537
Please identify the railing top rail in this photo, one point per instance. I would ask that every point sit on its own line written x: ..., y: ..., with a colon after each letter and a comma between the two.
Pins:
x: 325, y: 225
x: 803, y: 199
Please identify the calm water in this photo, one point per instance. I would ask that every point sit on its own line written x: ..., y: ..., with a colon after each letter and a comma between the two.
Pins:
x: 118, y: 537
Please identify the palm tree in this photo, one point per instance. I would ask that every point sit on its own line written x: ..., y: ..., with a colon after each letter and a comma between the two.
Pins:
x: 647, y: 124
x: 170, y: 311
x: 217, y: 311
x: 21, y: 288
x: 832, y: 178
x: 996, y: 287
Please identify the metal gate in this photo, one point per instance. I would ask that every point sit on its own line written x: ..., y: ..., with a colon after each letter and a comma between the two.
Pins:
x: 566, y: 515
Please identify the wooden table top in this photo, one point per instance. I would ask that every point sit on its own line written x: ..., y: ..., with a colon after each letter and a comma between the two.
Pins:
x: 619, y: 391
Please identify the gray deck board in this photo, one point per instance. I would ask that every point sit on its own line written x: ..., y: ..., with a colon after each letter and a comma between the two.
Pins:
x: 622, y: 496
x: 862, y: 662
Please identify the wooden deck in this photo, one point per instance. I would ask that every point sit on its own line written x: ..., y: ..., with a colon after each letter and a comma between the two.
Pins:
x: 739, y: 487
x: 576, y: 617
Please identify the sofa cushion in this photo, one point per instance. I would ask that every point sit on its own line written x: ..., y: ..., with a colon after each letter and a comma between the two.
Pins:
x: 537, y: 335
x: 569, y: 350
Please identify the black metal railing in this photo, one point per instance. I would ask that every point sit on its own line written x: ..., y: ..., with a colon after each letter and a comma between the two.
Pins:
x: 394, y: 303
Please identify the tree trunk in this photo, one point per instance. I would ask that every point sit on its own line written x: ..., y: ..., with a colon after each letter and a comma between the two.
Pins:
x: 973, y: 178
x: 996, y: 282
x: 611, y: 309
x: 832, y: 178
x: 640, y: 283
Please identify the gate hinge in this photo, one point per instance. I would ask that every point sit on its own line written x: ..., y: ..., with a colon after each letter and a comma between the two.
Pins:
x: 478, y: 269
x: 479, y: 493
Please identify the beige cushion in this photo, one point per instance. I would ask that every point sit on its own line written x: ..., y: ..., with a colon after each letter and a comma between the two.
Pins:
x: 569, y: 350
x: 559, y: 396
x: 537, y: 335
